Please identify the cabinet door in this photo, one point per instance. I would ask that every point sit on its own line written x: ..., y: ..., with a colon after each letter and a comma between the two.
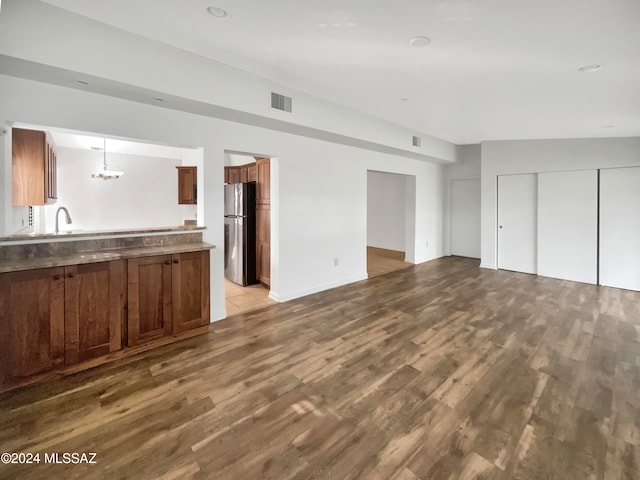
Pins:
x: 252, y: 173
x: 243, y: 174
x: 149, y: 298
x: 263, y: 185
x: 31, y: 322
x: 263, y: 243
x: 187, y: 184
x: 190, y: 290
x: 226, y: 174
x: 234, y: 175
x: 28, y: 160
x: 93, y: 309
x: 50, y: 171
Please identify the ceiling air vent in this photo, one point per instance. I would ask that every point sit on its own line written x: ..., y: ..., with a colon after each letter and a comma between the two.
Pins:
x: 416, y: 141
x: 280, y: 102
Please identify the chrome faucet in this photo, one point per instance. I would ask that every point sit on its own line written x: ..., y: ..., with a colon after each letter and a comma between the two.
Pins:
x: 67, y: 219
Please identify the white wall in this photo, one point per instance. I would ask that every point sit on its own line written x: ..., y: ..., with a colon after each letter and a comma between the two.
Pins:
x: 234, y: 160
x: 145, y: 196
x: 467, y: 168
x: 386, y: 197
x: 320, y: 188
x: 535, y: 156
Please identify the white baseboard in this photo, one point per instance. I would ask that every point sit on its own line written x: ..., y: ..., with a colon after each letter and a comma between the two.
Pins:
x: 316, y: 288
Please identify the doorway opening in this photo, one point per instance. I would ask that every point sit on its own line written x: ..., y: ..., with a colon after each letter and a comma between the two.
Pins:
x: 247, y: 231
x: 390, y: 222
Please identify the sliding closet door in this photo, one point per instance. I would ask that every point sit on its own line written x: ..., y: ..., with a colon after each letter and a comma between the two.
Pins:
x: 517, y: 222
x: 568, y: 225
x: 620, y: 227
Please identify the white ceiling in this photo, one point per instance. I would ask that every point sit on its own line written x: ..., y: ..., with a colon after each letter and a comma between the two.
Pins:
x: 495, y: 69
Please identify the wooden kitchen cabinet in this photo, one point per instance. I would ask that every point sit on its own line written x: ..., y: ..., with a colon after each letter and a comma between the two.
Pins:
x: 187, y: 185
x: 31, y: 322
x: 34, y: 168
x: 190, y: 290
x: 263, y: 243
x: 55, y: 316
x: 263, y: 185
x: 252, y: 172
x: 149, y: 298
x: 167, y: 294
x: 93, y: 303
x: 263, y: 220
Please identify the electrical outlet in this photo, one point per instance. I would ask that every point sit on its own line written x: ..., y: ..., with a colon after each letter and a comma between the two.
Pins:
x: 335, y: 262
x: 427, y: 244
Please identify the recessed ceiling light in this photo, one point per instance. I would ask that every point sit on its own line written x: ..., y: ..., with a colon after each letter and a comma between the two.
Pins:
x: 419, y: 41
x: 82, y: 82
x: 218, y: 12
x: 589, y: 68
x: 608, y: 126
x: 159, y: 99
x: 405, y: 99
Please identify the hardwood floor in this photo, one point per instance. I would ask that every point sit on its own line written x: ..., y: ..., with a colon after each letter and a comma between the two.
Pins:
x: 381, y: 261
x: 438, y: 371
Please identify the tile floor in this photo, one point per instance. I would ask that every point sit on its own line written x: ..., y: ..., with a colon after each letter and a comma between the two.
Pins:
x: 244, y: 299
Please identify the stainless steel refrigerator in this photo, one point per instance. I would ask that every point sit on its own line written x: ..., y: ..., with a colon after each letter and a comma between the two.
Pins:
x: 240, y: 233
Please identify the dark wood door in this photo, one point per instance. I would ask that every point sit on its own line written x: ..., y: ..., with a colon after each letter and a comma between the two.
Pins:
x: 31, y: 322
x: 190, y: 300
x: 93, y: 309
x: 149, y: 298
x: 263, y: 243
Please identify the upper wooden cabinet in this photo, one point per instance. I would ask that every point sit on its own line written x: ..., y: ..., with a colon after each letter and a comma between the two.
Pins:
x: 34, y: 167
x: 187, y: 185
x: 252, y: 173
x: 241, y: 173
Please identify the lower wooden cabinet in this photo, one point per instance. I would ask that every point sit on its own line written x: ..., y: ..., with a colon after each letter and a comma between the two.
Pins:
x: 190, y: 290
x: 52, y: 317
x: 149, y: 298
x: 93, y: 303
x: 31, y: 322
x: 55, y: 316
x: 167, y: 294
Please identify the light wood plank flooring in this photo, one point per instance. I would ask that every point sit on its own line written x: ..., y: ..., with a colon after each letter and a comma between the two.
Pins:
x: 438, y: 371
x: 381, y: 261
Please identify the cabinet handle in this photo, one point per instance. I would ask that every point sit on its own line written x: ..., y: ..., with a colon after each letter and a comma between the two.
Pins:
x: 57, y: 277
x: 167, y: 262
x: 176, y: 261
x: 71, y: 275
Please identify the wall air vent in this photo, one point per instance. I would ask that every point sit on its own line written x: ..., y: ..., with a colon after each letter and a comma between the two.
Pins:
x: 280, y: 102
x: 416, y: 141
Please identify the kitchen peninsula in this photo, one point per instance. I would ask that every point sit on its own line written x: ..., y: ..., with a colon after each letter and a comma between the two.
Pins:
x: 73, y: 301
